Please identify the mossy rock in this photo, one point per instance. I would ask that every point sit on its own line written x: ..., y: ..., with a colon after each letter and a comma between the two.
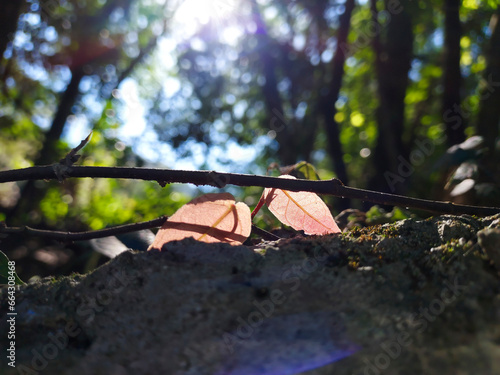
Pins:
x: 414, y: 297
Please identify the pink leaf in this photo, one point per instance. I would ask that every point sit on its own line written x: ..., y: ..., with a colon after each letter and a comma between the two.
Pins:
x: 209, y: 218
x: 301, y: 210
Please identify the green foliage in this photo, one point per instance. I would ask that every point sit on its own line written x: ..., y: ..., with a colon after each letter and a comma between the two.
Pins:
x: 97, y: 204
x: 306, y: 171
x: 377, y: 215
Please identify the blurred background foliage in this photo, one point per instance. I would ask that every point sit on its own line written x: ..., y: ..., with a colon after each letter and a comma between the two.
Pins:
x: 381, y: 94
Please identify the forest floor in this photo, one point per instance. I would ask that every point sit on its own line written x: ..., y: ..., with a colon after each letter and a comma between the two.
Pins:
x: 412, y: 297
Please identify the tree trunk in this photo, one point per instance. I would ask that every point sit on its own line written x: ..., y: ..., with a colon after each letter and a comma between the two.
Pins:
x: 274, y: 104
x: 30, y: 193
x: 489, y: 107
x: 393, y: 58
x: 328, y: 109
x: 9, y: 15
x: 328, y: 105
x: 452, y: 76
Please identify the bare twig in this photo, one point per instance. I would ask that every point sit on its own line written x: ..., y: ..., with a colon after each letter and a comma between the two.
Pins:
x: 217, y: 179
x: 83, y: 236
x: 72, y: 156
x: 113, y: 231
x: 264, y: 234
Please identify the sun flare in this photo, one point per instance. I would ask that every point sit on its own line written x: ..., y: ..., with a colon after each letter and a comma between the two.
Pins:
x: 194, y: 13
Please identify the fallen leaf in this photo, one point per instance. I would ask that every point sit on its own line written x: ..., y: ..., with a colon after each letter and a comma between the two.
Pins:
x: 301, y: 210
x: 209, y: 218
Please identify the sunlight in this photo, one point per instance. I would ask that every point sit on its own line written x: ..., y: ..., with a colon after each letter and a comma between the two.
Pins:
x: 192, y: 14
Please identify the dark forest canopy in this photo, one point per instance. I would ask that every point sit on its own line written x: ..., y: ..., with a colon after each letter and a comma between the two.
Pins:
x: 372, y: 92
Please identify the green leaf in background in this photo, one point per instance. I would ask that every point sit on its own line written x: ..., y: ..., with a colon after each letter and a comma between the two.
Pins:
x: 377, y: 215
x: 302, y: 170
x: 306, y: 171
x: 4, y: 271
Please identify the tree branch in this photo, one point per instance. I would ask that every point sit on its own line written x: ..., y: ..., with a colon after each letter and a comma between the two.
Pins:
x: 113, y: 231
x: 220, y: 180
x: 83, y: 236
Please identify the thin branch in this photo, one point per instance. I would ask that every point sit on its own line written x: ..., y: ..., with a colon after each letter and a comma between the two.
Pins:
x: 264, y: 233
x: 113, y: 231
x: 83, y: 236
x: 218, y: 179
x: 72, y: 156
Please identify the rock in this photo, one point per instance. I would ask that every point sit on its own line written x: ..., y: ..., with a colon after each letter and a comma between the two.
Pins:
x: 414, y: 297
x: 489, y: 240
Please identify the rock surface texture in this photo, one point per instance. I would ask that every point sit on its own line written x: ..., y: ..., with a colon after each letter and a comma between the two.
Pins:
x: 414, y: 297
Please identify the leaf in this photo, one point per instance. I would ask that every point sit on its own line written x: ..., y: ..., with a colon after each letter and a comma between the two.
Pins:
x: 301, y: 210
x: 6, y: 271
x: 306, y: 171
x: 209, y: 218
x: 463, y: 187
x: 303, y: 170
